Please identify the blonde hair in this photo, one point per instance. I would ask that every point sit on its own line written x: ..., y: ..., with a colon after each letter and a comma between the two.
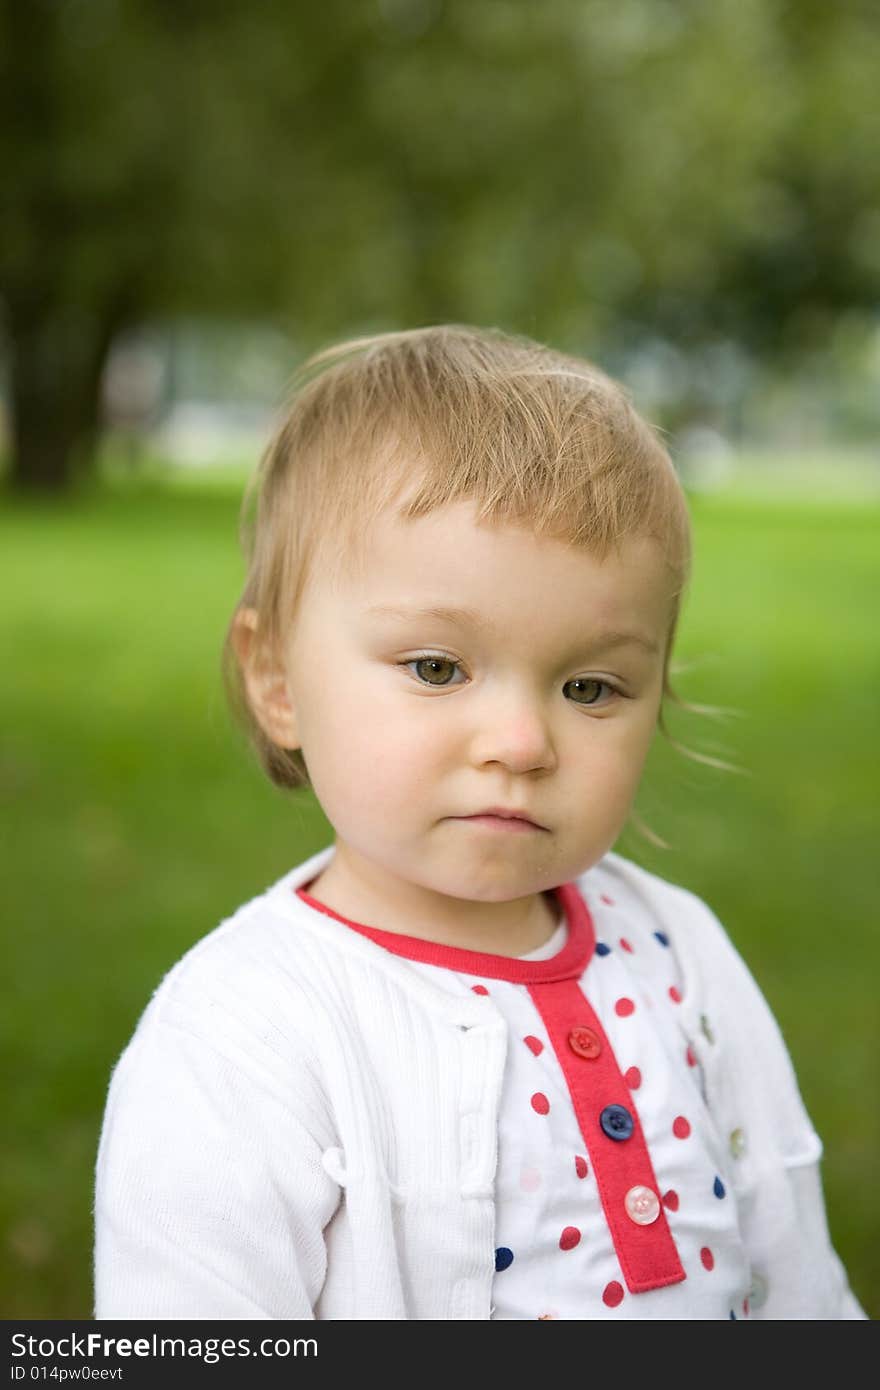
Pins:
x: 432, y: 416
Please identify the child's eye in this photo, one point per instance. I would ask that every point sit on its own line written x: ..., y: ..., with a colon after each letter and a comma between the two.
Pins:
x: 588, y: 682
x: 432, y: 666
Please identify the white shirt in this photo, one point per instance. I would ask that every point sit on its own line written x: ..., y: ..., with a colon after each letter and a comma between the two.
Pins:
x: 307, y: 1123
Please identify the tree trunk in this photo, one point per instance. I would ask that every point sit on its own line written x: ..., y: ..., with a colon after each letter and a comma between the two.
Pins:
x: 57, y: 360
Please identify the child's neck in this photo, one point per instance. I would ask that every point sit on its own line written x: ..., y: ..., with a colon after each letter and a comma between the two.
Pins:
x: 525, y: 926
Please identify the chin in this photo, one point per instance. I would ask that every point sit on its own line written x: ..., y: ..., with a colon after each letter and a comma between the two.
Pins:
x: 504, y: 889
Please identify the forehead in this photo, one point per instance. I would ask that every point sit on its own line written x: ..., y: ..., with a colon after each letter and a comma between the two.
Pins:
x: 502, y: 573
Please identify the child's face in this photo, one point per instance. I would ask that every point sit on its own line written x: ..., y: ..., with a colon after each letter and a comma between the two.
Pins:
x: 531, y: 711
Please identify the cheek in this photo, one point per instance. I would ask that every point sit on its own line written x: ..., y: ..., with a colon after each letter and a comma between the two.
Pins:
x: 615, y: 759
x: 362, y: 750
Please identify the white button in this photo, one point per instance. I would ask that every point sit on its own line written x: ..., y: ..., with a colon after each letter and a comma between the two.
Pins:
x: 737, y: 1143
x: 642, y: 1205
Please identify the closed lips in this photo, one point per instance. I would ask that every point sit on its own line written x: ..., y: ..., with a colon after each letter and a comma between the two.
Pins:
x: 503, y: 814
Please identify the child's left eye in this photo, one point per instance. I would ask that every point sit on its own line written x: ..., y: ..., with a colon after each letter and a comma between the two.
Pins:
x: 591, y: 682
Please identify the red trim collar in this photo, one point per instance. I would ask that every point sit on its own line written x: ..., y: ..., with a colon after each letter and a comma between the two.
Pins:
x: 567, y: 964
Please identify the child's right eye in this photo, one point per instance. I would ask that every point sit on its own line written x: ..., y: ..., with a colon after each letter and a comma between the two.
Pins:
x: 433, y: 665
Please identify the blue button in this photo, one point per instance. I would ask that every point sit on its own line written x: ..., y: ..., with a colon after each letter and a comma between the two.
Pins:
x: 602, y: 949
x: 662, y: 938
x: 617, y: 1122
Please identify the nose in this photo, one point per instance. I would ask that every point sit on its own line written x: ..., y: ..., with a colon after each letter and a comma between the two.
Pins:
x: 513, y: 730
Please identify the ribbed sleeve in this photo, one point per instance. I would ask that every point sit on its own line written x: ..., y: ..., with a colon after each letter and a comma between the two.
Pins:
x: 211, y: 1197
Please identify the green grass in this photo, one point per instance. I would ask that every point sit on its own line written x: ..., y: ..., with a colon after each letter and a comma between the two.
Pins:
x: 135, y: 821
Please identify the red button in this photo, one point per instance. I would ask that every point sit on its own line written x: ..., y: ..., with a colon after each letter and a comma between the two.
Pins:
x: 584, y: 1042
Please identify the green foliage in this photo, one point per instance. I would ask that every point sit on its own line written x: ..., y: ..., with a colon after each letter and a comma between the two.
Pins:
x: 699, y: 169
x: 138, y: 821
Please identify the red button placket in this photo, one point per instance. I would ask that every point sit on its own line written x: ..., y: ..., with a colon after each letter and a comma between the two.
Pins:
x: 647, y: 1253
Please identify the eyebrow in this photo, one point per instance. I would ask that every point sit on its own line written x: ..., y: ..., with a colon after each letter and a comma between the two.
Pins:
x: 603, y: 641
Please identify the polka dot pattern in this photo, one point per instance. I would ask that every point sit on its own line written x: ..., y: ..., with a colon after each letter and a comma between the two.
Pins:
x: 549, y: 1191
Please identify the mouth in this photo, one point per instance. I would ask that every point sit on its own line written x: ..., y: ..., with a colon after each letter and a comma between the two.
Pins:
x: 498, y: 819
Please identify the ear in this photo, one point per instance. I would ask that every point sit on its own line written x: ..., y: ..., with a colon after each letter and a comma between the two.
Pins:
x: 266, y: 683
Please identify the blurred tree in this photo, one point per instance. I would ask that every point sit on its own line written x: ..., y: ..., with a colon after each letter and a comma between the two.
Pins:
x: 578, y: 169
x: 90, y: 94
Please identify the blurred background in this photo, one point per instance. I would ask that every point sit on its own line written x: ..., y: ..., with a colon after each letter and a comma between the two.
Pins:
x: 195, y: 195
